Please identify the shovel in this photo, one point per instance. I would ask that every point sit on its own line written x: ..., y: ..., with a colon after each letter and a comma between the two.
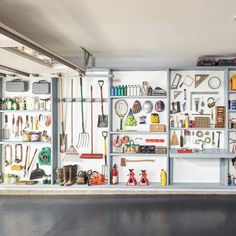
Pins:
x: 102, y: 119
x: 37, y: 173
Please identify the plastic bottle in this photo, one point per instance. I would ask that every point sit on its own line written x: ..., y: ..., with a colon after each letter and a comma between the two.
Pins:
x: 186, y: 121
x: 163, y: 177
x: 114, y: 175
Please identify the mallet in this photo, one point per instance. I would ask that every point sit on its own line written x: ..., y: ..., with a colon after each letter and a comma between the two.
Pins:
x: 124, y: 160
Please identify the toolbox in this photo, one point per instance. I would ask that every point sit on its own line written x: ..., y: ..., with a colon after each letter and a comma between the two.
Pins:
x: 17, y: 85
x: 41, y: 87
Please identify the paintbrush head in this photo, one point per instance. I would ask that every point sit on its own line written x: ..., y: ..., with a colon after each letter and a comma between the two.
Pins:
x: 122, y: 161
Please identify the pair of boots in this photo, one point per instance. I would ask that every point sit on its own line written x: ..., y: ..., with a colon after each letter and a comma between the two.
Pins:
x: 67, y: 175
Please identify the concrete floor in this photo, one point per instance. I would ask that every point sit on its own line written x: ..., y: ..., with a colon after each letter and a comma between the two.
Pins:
x: 118, y: 215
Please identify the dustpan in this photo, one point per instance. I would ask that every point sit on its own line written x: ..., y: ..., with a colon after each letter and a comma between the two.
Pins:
x: 37, y: 173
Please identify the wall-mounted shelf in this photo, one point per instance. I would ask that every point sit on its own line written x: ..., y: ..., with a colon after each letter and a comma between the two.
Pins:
x: 26, y: 111
x: 210, y: 153
x: 138, y: 97
x: 138, y: 132
x: 138, y: 154
x: 26, y: 143
x: 198, y: 128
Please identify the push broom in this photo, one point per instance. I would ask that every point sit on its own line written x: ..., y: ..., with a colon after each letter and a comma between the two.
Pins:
x: 91, y: 155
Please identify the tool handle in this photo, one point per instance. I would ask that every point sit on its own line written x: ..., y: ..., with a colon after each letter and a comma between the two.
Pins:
x: 91, y: 98
x: 6, y: 119
x: 32, y: 159
x: 140, y: 160
x: 101, y: 83
x: 82, y: 105
x: 121, y: 121
x: 72, y: 110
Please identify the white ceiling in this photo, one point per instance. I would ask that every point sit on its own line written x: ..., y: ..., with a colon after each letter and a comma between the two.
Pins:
x: 130, y: 32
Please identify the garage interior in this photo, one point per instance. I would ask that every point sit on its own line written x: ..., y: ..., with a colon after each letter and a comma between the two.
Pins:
x: 124, y: 106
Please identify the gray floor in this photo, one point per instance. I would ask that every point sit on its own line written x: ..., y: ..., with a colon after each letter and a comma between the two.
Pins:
x: 119, y: 215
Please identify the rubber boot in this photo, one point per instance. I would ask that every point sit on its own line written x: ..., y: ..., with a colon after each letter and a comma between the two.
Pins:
x: 72, y: 175
x: 66, y: 174
x: 59, y: 175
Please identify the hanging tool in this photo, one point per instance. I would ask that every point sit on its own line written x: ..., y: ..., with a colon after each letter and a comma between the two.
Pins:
x: 218, y: 143
x: 17, y: 159
x: 5, y: 129
x: 121, y: 108
x: 7, y: 162
x: 181, y: 139
x: 185, y: 94
x: 26, y: 159
x: 213, y: 139
x: 184, y: 106
x: 17, y: 127
x: 27, y: 125
x: 31, y: 161
x: 123, y: 161
x: 196, y: 102
x: 102, y: 119
x: 174, y: 139
x: 175, y: 107
x: 71, y: 152
x: 13, y: 124
x: 63, y: 135
x: 188, y: 81
x: 105, y: 167
x: 91, y: 155
x: 176, y: 81
x: 214, y: 82
x: 212, y: 102
x: 199, y: 78
x: 83, y: 140
x: 199, y: 93
x: 177, y: 93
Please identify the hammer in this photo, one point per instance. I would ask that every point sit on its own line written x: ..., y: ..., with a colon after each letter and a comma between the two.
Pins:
x: 218, y: 143
x: 123, y: 161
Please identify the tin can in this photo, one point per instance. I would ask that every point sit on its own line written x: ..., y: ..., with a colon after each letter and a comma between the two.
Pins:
x: 35, y: 136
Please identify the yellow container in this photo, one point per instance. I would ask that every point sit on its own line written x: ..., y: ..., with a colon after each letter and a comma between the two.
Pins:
x: 163, y: 177
x: 233, y: 82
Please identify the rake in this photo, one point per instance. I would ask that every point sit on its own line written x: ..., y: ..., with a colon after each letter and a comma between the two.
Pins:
x: 71, y: 152
x: 83, y: 140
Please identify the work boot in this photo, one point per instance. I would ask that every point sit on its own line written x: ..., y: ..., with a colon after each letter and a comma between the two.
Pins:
x: 65, y: 174
x: 72, y: 175
x: 59, y: 175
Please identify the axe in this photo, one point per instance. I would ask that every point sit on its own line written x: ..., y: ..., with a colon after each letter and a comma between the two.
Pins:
x: 123, y: 161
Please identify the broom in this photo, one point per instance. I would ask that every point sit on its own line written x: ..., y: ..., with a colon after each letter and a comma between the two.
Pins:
x: 91, y: 155
x: 71, y: 152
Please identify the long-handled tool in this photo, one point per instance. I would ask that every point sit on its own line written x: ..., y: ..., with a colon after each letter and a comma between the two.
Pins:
x: 91, y: 155
x: 71, y: 152
x: 105, y: 167
x: 123, y: 161
x: 31, y: 161
x: 83, y: 136
x: 102, y: 119
x: 63, y: 136
x: 26, y: 159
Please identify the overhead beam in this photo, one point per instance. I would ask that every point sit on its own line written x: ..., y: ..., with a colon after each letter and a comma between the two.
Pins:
x: 14, y: 71
x: 5, y: 30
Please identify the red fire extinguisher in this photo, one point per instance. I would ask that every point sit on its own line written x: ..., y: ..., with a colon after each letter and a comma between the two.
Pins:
x: 114, y: 175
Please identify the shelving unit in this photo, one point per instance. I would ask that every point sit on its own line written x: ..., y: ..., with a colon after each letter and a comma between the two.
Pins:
x: 39, y: 144
x: 217, y: 159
